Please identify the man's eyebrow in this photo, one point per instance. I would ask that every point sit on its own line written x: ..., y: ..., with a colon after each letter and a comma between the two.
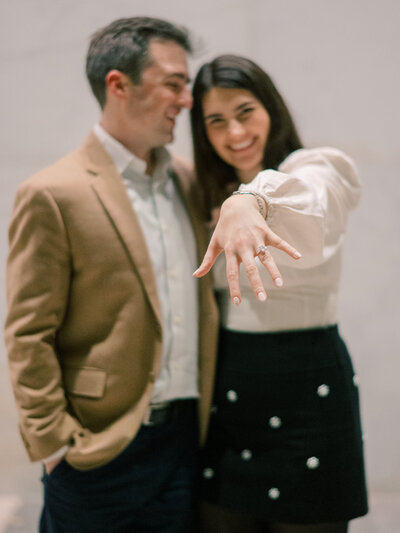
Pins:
x: 179, y: 75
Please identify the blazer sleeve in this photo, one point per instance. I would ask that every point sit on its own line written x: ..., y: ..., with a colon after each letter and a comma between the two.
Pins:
x: 38, y: 277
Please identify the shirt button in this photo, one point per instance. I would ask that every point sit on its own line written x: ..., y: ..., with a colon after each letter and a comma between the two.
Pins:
x: 275, y: 422
x: 232, y: 396
x: 274, y: 493
x: 177, y: 320
x: 312, y: 463
x: 323, y: 390
x: 246, y: 455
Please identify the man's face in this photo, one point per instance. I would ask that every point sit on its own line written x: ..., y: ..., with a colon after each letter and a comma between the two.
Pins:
x: 152, y: 106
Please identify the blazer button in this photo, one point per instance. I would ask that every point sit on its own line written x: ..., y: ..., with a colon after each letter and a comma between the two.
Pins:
x: 152, y: 377
x: 157, y: 327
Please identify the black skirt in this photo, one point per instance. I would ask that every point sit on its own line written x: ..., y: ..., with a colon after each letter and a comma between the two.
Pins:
x: 285, y: 442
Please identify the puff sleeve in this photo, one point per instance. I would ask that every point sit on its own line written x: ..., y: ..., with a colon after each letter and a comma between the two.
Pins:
x: 309, y: 198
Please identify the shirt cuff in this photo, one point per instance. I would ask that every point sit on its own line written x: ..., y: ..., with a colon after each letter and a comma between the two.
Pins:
x: 56, y: 455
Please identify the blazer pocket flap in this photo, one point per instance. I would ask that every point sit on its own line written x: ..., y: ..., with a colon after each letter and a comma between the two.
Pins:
x: 85, y: 381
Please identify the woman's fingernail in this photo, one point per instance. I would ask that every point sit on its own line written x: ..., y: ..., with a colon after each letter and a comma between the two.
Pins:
x: 261, y: 296
x: 278, y: 282
x: 236, y: 301
x: 297, y: 255
x: 195, y: 272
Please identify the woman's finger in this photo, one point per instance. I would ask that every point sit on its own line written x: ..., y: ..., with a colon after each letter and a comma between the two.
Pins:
x: 250, y: 266
x: 232, y: 275
x: 274, y: 240
x: 269, y: 263
x: 209, y: 258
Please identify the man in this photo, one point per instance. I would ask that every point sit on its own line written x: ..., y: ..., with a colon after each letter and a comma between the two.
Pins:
x: 111, y: 339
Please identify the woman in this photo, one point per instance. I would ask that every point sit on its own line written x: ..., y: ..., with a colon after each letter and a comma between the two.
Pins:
x: 284, y: 450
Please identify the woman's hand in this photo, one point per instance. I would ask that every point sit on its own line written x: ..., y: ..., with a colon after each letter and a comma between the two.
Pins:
x: 242, y: 233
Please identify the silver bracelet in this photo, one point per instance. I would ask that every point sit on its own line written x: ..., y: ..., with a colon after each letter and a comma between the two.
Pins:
x: 260, y: 201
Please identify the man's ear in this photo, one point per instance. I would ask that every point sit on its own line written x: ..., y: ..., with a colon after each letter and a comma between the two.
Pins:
x: 117, y: 83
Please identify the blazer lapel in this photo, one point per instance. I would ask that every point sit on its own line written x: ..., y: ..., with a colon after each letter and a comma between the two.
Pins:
x: 110, y: 190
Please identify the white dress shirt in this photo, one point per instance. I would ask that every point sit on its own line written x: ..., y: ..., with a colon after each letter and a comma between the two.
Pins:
x: 309, y: 198
x: 172, y: 249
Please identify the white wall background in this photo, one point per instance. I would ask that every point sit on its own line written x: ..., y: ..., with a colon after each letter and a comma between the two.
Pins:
x: 337, y: 62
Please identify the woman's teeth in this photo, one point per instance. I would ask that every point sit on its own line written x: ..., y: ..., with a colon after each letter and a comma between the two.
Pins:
x: 241, y: 146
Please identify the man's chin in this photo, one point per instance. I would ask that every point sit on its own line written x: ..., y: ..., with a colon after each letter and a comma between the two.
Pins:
x: 164, y: 137
x: 169, y: 138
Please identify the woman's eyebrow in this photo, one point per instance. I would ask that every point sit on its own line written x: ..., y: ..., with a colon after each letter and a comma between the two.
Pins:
x: 213, y: 115
x: 244, y: 104
x: 238, y: 108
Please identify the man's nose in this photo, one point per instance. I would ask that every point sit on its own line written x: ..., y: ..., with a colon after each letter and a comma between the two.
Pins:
x: 185, y: 98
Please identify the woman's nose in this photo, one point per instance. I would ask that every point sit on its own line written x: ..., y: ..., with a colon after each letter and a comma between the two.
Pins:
x: 235, y: 129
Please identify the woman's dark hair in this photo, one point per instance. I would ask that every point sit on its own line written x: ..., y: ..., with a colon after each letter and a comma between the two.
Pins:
x: 233, y: 72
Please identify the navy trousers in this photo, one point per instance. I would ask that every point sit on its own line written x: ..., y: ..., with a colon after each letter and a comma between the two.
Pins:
x: 149, y: 487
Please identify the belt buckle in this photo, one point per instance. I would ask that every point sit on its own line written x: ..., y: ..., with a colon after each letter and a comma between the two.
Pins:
x: 150, y: 408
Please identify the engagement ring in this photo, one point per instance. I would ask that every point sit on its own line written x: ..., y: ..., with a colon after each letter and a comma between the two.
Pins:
x: 262, y: 249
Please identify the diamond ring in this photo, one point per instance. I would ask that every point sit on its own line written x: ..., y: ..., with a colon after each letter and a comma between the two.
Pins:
x: 262, y: 249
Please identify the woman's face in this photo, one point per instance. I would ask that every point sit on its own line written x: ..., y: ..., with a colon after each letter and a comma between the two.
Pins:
x: 237, y: 126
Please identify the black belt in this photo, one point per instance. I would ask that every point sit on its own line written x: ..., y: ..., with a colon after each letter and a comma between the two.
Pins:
x: 160, y: 413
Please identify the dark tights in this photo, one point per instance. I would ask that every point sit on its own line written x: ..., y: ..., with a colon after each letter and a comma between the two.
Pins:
x: 219, y: 520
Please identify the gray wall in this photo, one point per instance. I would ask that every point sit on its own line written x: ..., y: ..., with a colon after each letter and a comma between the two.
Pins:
x: 337, y: 64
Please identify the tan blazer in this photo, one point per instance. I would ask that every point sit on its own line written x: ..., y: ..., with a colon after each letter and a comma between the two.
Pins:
x: 83, y: 330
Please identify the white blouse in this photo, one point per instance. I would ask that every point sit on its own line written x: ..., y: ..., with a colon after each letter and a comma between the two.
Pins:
x: 309, y: 198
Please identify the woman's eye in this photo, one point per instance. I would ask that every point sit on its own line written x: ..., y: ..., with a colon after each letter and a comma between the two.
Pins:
x: 215, y: 122
x: 246, y: 111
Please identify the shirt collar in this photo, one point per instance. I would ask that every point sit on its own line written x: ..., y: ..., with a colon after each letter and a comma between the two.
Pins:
x: 124, y: 159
